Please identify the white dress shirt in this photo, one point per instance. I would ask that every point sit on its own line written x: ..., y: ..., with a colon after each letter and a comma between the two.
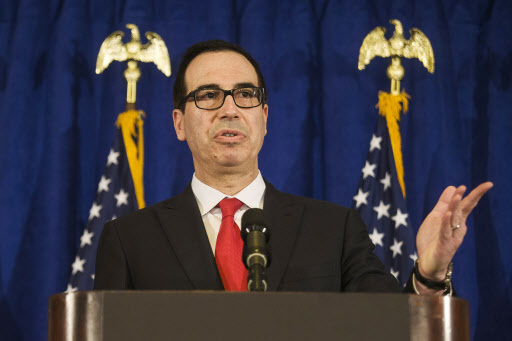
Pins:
x: 208, y: 198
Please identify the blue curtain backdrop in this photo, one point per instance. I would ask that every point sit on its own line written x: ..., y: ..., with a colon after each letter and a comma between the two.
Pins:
x: 57, y: 124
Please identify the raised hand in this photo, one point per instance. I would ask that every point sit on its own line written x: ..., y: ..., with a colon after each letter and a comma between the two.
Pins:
x: 443, y: 230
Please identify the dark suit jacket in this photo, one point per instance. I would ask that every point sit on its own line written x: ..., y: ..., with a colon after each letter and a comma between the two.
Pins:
x: 316, y: 246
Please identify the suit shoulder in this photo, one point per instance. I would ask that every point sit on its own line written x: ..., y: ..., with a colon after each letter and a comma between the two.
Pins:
x: 312, y: 203
x: 145, y: 214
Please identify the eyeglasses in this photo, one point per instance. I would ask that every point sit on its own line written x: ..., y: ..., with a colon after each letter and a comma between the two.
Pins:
x: 211, y: 99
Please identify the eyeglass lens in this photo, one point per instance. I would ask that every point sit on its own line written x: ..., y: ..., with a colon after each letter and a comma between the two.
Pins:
x: 214, y: 98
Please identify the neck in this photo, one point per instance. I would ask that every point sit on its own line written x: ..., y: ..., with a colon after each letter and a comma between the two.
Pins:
x: 227, y: 183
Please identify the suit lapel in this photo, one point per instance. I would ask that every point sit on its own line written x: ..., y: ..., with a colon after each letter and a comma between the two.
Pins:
x: 283, y: 214
x: 183, y: 225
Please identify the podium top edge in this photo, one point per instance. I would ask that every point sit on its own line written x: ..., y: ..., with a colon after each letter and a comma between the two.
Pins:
x: 102, y: 293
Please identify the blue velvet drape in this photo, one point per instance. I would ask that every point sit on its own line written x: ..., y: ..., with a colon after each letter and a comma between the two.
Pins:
x: 57, y: 124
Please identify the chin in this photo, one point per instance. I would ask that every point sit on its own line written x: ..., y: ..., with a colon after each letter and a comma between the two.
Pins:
x: 232, y: 160
x: 230, y: 163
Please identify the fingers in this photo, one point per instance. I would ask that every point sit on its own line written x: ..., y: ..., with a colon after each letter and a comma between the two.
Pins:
x: 446, y: 229
x: 455, y: 207
x: 468, y: 203
x: 461, y: 208
x: 456, y: 198
x: 461, y: 190
x: 449, y: 199
x: 444, y: 200
x: 472, y: 199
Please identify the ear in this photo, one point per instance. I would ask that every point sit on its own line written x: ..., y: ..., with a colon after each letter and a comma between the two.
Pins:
x: 179, y: 124
x: 265, y: 112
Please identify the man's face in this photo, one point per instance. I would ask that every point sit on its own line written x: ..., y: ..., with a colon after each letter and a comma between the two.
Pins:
x: 209, y: 133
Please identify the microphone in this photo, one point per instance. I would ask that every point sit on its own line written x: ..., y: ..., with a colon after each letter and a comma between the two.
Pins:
x: 256, y: 254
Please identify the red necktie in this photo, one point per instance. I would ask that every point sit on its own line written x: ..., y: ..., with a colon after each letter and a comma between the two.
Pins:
x: 228, y: 250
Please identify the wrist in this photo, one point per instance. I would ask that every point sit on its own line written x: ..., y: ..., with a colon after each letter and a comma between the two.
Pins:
x: 444, y: 285
x: 421, y: 289
x: 433, y: 276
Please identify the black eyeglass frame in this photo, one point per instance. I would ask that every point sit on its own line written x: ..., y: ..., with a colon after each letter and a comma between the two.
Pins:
x: 226, y: 93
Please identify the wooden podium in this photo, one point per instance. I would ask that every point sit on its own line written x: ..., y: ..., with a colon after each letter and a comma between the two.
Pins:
x: 211, y: 316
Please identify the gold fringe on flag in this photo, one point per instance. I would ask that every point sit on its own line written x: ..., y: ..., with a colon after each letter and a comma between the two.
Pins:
x: 130, y: 123
x: 390, y: 106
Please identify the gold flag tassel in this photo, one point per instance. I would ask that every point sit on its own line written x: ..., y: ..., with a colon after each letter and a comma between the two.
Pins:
x: 130, y: 123
x: 390, y: 106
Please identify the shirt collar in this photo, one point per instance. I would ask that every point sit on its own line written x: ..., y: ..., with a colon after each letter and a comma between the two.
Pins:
x: 208, y: 197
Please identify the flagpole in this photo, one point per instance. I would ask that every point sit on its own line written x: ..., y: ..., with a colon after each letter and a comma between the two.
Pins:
x: 391, y: 104
x: 121, y: 188
x: 380, y: 199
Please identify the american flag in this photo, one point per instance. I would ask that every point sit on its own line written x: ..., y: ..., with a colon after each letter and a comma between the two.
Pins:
x: 115, y: 197
x: 381, y: 204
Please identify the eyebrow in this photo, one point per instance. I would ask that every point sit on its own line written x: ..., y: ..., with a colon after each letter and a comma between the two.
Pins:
x: 217, y: 86
x: 245, y: 85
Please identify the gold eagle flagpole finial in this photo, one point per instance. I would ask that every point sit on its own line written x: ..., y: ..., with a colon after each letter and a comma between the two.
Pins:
x: 131, y: 121
x: 397, y: 47
x: 154, y: 51
x: 390, y: 105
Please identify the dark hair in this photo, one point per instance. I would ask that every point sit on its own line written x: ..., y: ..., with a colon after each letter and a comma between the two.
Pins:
x: 179, y: 91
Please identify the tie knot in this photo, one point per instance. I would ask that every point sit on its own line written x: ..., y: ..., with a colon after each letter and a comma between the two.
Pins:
x: 229, y: 206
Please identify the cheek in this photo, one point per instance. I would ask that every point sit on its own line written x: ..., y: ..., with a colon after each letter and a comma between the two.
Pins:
x: 197, y: 132
x: 262, y: 128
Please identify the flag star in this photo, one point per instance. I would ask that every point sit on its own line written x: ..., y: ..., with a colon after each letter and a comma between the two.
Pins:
x: 94, y: 212
x: 394, y: 273
x: 92, y: 276
x: 382, y: 210
x: 376, y: 237
x: 122, y: 198
x: 386, y: 181
x: 400, y: 218
x: 103, y: 185
x: 112, y: 157
x: 361, y: 197
x: 375, y: 142
x: 396, y: 247
x: 368, y: 170
x: 85, y: 239
x: 78, y: 265
x: 414, y: 256
x: 71, y: 289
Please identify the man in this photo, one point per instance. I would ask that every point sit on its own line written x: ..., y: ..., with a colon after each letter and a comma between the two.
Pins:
x: 191, y: 241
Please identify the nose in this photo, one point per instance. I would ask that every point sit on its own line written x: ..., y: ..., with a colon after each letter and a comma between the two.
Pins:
x: 229, y: 108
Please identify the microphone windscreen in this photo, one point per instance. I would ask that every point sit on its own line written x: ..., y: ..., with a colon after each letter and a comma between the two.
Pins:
x: 253, y: 216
